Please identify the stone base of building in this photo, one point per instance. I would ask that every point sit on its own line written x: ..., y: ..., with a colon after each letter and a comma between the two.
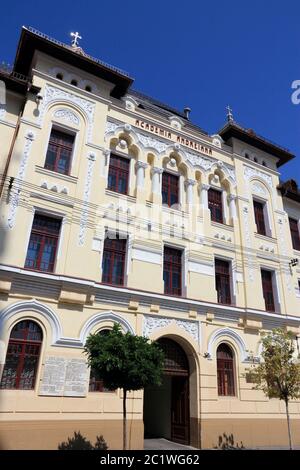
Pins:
x: 252, y: 433
x: 47, y: 435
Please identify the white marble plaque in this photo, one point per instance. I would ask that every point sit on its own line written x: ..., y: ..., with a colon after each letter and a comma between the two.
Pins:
x: 76, y: 378
x: 64, y: 377
x: 54, y: 376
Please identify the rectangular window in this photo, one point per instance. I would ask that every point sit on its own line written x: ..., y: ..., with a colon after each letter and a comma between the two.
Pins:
x: 118, y: 174
x: 267, y: 285
x: 215, y: 205
x: 222, y: 273
x: 170, y: 189
x: 59, y: 152
x: 172, y: 271
x: 113, y: 263
x: 259, y: 217
x: 43, y: 243
x: 295, y: 233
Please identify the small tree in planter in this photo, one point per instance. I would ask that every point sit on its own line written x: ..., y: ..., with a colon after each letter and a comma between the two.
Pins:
x: 278, y: 375
x: 125, y: 361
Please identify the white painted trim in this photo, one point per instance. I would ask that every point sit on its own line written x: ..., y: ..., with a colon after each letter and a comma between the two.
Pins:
x: 221, y: 334
x: 151, y: 295
x: 201, y: 268
x: 146, y: 255
x: 35, y: 306
x: 102, y: 317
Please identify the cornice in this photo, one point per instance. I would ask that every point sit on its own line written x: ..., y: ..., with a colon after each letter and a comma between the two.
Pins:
x: 180, y: 304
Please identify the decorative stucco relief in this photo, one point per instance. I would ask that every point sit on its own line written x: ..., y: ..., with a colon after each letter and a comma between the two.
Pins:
x: 284, y: 251
x: 86, y: 195
x: 252, y: 172
x: 67, y: 115
x: 248, y: 239
x: 149, y: 142
x: 151, y: 324
x: 17, y: 186
x: 53, y: 94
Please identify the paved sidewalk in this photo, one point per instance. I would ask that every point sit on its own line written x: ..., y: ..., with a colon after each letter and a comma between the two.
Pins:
x: 164, y: 444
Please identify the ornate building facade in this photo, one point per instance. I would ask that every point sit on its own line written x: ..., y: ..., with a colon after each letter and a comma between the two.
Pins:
x: 117, y: 208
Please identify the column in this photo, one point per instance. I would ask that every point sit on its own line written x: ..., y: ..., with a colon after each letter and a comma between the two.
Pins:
x: 232, y: 206
x: 156, y: 187
x: 189, y: 183
x: 204, y: 195
x: 140, y: 173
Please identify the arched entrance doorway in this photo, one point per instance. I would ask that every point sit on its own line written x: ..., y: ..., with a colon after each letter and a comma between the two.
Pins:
x: 167, y: 408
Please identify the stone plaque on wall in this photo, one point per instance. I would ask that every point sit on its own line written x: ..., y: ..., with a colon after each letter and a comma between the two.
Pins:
x: 54, y: 376
x: 64, y: 377
x: 76, y: 378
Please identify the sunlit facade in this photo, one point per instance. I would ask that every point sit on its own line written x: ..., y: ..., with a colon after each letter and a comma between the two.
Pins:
x: 117, y: 208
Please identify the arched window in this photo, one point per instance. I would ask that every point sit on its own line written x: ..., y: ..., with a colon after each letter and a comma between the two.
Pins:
x: 225, y: 370
x: 59, y: 76
x: 88, y: 88
x: 96, y: 383
x: 22, y: 356
x: 74, y: 82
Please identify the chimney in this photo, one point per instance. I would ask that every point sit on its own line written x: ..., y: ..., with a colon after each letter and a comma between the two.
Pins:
x: 187, y: 111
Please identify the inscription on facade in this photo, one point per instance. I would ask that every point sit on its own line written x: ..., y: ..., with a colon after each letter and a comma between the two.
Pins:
x: 192, y: 144
x: 64, y: 377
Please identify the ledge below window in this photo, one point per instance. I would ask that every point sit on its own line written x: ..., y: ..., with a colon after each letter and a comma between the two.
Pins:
x: 55, y: 174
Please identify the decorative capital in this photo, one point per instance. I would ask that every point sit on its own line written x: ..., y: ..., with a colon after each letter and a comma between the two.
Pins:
x: 91, y: 156
x: 190, y: 182
x: 157, y: 170
x: 232, y: 197
x: 141, y: 164
x: 30, y: 135
x: 205, y: 187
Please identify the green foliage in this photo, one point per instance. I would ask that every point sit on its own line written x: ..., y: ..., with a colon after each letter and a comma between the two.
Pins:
x: 125, y: 360
x: 226, y: 442
x: 79, y: 442
x: 100, y: 443
x: 278, y: 375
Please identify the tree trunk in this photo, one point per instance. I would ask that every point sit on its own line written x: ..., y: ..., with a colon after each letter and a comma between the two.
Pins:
x: 288, y: 423
x: 124, y: 419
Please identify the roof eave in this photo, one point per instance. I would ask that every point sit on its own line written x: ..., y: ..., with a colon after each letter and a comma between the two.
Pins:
x: 29, y: 42
x: 232, y: 130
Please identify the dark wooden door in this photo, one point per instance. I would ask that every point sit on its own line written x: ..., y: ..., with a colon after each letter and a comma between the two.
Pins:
x: 180, y: 416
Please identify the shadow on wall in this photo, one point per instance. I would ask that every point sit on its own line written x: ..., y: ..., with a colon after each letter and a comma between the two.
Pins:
x: 79, y: 442
x: 226, y: 442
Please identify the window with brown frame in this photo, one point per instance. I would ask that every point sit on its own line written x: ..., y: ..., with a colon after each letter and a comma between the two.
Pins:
x: 59, y: 152
x: 222, y: 273
x: 42, y: 248
x: 259, y: 217
x: 267, y: 286
x: 113, y: 264
x: 295, y: 233
x: 22, y: 356
x: 170, y: 189
x: 118, y: 174
x: 215, y: 205
x: 172, y: 271
x: 225, y: 370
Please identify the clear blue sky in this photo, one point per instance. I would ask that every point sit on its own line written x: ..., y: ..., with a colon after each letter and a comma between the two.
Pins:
x: 188, y: 53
